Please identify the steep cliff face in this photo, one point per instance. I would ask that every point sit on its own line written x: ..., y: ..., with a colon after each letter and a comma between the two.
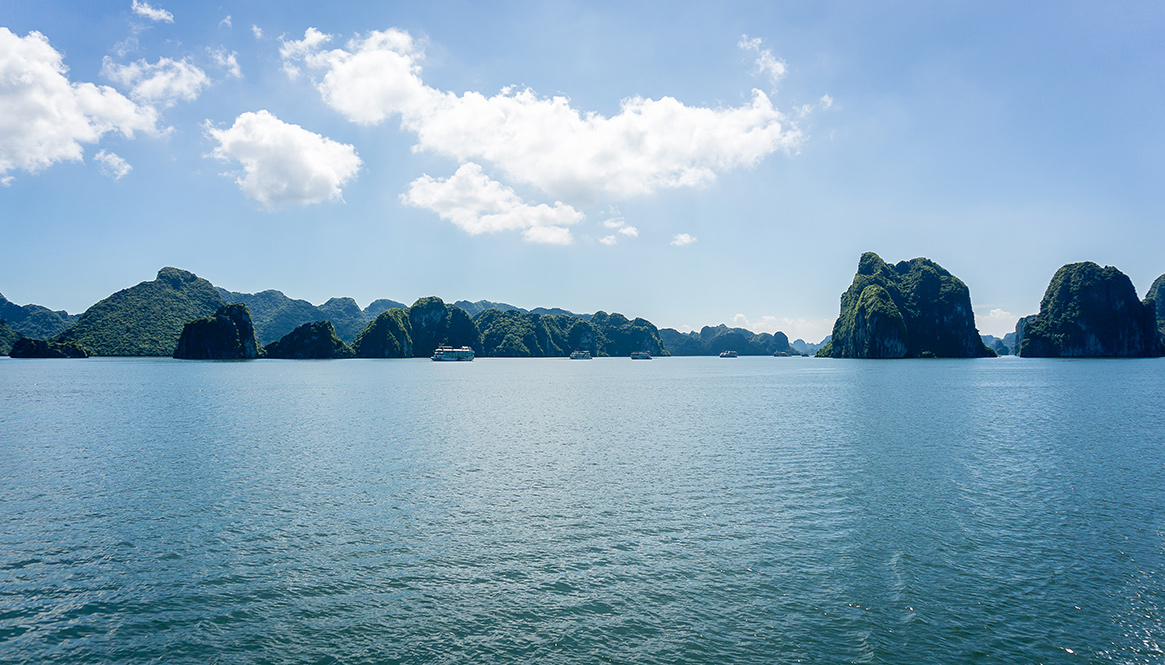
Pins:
x: 1157, y: 293
x: 147, y: 319
x: 311, y: 341
x: 432, y: 322
x: 1089, y: 311
x: 227, y: 335
x: 386, y: 337
x: 914, y: 309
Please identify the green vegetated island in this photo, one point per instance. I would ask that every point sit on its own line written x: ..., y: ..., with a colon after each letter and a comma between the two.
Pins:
x: 912, y: 309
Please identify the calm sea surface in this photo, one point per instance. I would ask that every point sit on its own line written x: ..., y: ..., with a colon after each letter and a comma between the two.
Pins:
x: 683, y: 510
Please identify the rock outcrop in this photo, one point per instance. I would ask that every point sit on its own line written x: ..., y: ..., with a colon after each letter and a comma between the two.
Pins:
x: 914, y: 309
x: 227, y: 335
x: 1157, y: 293
x: 386, y: 337
x: 1089, y: 312
x: 27, y: 347
x: 147, y: 319
x: 432, y: 322
x: 311, y: 341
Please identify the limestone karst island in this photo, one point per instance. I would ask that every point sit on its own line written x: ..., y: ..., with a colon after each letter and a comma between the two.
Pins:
x: 911, y: 309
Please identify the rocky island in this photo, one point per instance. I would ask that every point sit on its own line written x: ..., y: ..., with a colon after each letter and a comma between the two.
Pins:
x: 1090, y: 312
x: 913, y: 309
x: 311, y: 341
x: 227, y: 335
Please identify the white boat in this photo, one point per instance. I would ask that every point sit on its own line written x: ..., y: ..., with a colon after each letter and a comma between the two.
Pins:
x: 640, y: 355
x: 728, y: 354
x: 449, y: 353
x: 580, y: 355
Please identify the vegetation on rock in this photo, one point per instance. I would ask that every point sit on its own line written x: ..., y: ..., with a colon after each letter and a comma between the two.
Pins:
x: 27, y: 347
x: 914, y: 309
x: 275, y: 314
x: 8, y: 337
x: 34, y: 320
x: 147, y: 319
x: 711, y: 341
x: 311, y: 341
x: 1089, y: 311
x: 227, y: 335
x: 386, y: 337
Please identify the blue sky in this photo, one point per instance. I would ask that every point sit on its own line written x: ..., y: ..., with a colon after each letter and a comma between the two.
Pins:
x: 691, y: 163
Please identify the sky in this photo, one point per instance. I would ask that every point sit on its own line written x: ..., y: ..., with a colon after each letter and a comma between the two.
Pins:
x: 689, y: 163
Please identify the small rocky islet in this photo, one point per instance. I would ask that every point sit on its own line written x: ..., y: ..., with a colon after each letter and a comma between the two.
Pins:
x: 911, y: 309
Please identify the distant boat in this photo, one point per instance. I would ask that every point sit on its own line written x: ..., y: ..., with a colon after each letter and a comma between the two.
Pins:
x: 728, y: 354
x: 640, y: 355
x: 580, y: 355
x: 448, y: 353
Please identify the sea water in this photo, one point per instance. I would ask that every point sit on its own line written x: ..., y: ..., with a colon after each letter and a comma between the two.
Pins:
x: 682, y: 510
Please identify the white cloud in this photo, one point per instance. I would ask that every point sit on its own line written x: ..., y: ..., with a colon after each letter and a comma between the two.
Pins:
x: 826, y: 101
x: 614, y: 223
x: 997, y: 322
x: 112, y: 165
x: 544, y: 142
x: 44, y: 117
x: 609, y: 240
x: 766, y: 63
x: 630, y: 231
x: 477, y: 204
x: 163, y: 83
x: 226, y: 22
x: 228, y: 61
x: 154, y: 14
x: 257, y: 31
x: 682, y: 239
x: 809, y: 330
x: 284, y: 163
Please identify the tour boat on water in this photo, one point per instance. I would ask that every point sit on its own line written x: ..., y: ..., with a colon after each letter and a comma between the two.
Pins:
x: 728, y: 354
x: 580, y: 355
x: 640, y: 355
x: 449, y: 353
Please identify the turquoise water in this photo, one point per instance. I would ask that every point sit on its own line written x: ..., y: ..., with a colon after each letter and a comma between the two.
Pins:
x: 683, y: 510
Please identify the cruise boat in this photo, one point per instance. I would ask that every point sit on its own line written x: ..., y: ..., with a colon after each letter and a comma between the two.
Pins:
x: 580, y: 355
x: 640, y: 355
x: 728, y: 354
x: 447, y: 353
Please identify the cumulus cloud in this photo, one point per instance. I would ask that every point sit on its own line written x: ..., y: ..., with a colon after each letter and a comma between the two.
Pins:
x: 766, y: 63
x: 682, y: 239
x: 44, y: 117
x: 477, y: 204
x: 112, y: 165
x: 257, y: 31
x: 285, y: 164
x: 619, y: 225
x: 163, y: 83
x: 226, y: 22
x: 154, y: 14
x: 228, y: 61
x: 997, y: 322
x: 567, y: 153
